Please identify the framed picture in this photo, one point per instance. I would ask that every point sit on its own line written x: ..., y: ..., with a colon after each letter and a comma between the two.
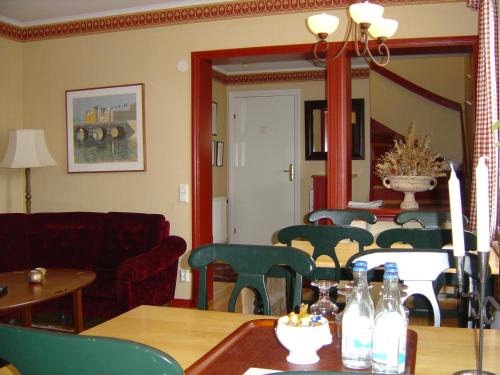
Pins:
x: 214, y: 118
x: 214, y: 152
x: 315, y: 115
x: 105, y: 129
x: 219, y: 162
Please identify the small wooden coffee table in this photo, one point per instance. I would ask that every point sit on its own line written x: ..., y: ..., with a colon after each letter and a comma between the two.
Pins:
x: 21, y: 294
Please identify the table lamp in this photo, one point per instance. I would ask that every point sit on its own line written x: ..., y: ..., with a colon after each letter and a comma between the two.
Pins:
x: 27, y: 149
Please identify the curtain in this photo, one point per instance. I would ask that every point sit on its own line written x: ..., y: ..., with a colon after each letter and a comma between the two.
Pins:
x: 486, y: 105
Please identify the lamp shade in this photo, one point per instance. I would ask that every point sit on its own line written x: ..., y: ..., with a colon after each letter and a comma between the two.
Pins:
x: 383, y: 28
x: 27, y: 149
x: 323, y: 23
x: 366, y: 12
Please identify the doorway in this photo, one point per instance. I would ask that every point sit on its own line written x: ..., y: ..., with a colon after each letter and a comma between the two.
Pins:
x: 264, y: 193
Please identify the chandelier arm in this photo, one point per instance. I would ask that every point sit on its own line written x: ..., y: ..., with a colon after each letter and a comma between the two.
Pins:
x: 346, y: 40
x: 385, y: 56
x: 356, y: 47
x: 315, y: 51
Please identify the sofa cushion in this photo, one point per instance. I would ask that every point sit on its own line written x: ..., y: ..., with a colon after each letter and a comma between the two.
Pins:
x: 65, y: 240
x: 14, y: 251
x: 129, y: 234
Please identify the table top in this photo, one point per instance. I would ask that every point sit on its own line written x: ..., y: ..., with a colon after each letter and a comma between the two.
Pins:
x: 345, y: 250
x: 57, y: 283
x: 187, y: 334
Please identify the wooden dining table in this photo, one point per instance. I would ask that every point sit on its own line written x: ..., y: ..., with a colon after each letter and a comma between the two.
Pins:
x: 188, y: 334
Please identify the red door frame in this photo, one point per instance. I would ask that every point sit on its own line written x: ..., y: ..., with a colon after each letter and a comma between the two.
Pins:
x: 338, y: 167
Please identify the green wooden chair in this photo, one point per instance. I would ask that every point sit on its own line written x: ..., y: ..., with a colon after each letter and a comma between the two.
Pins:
x: 340, y: 217
x: 427, y: 219
x: 428, y: 238
x: 424, y: 238
x: 417, y: 268
x: 252, y: 263
x: 324, y: 239
x: 37, y: 352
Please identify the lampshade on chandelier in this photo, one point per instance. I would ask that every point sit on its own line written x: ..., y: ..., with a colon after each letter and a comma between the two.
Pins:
x: 369, y: 21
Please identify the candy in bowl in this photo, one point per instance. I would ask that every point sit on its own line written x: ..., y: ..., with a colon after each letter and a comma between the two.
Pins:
x: 304, y: 339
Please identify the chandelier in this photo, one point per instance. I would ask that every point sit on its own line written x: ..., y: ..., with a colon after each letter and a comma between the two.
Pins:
x: 368, y: 22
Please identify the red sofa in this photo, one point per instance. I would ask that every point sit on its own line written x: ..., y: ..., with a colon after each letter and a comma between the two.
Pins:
x: 133, y: 255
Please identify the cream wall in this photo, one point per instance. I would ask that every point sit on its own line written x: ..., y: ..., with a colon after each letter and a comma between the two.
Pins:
x: 396, y: 107
x: 360, y: 89
x: 150, y: 56
x: 11, y: 117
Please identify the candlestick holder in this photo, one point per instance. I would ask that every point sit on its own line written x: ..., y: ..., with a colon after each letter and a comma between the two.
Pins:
x: 482, y: 306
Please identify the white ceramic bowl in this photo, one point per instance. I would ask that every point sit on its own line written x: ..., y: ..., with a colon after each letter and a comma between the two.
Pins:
x: 302, y: 343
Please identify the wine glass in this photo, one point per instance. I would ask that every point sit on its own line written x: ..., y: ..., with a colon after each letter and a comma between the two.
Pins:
x: 324, y: 306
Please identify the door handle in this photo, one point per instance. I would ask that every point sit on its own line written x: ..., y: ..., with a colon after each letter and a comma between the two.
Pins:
x: 290, y: 171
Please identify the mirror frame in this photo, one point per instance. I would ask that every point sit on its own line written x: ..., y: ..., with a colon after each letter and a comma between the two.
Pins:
x: 309, y: 107
x: 358, y: 129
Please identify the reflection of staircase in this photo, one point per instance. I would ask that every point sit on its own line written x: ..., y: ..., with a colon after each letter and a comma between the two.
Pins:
x: 382, y: 139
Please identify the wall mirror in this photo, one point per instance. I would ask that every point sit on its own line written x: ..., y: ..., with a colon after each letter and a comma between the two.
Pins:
x: 315, y: 113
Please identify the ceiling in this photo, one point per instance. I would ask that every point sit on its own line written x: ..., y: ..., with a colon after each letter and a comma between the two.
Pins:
x: 39, y: 12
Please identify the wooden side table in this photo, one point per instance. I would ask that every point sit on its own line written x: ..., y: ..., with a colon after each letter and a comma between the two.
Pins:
x: 21, y: 294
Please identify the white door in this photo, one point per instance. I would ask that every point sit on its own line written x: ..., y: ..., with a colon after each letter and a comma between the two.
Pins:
x: 263, y: 173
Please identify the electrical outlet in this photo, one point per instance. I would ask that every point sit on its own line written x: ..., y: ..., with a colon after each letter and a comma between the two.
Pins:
x: 185, y: 276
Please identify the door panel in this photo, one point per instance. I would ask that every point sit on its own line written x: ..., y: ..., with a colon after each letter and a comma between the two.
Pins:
x: 262, y: 131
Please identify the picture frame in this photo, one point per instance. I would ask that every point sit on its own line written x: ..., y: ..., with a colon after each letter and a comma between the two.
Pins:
x: 105, y: 129
x: 315, y: 114
x: 219, y: 162
x: 214, y: 118
x: 214, y: 152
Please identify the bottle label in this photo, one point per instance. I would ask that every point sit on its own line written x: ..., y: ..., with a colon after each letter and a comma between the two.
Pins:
x: 357, y: 340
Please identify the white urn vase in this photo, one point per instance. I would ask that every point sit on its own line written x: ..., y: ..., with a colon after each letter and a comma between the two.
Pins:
x: 409, y: 185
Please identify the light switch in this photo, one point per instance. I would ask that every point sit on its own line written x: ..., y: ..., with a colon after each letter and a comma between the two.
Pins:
x: 184, y: 193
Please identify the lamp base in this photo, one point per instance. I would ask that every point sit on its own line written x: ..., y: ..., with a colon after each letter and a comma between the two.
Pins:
x: 473, y: 372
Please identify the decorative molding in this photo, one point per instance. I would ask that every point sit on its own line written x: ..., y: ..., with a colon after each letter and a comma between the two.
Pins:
x: 273, y: 77
x: 362, y: 73
x: 175, y: 16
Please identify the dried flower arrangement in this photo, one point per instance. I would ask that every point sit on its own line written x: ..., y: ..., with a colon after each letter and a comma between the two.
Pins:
x: 411, y: 157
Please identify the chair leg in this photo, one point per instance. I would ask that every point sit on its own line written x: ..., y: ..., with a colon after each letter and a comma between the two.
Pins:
x: 426, y: 289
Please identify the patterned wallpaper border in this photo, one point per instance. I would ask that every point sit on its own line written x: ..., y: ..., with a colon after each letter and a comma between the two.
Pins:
x: 165, y: 17
x: 256, y: 78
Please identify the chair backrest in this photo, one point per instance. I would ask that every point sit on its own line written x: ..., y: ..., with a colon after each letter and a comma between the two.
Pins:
x: 423, y: 238
x: 34, y: 351
x: 341, y: 217
x: 428, y: 219
x: 324, y: 238
x: 413, y: 264
x: 251, y: 263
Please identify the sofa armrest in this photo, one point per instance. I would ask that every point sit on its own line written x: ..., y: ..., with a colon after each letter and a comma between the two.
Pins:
x: 149, y: 278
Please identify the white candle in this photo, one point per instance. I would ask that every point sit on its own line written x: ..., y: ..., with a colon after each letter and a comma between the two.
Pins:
x: 482, y: 206
x: 457, y: 225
